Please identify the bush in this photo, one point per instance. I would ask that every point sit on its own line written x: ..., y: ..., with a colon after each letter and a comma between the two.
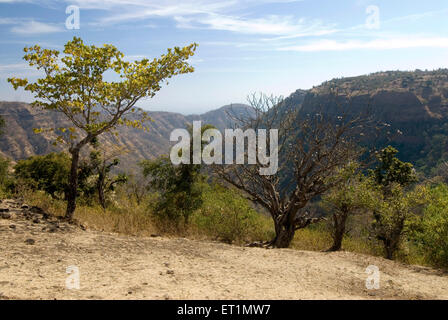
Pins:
x: 431, y: 232
x: 227, y: 216
x: 179, y: 189
x: 5, y: 179
x: 48, y: 173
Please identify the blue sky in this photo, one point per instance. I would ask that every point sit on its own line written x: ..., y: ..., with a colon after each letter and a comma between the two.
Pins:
x: 245, y: 46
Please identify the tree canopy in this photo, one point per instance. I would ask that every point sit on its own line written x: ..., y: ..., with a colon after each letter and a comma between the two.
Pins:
x: 74, y: 84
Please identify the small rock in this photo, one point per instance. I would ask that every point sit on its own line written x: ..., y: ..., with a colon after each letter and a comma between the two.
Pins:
x: 52, y: 229
x: 30, y: 241
x: 5, y: 215
x: 25, y: 206
x: 154, y: 236
x: 169, y: 271
x: 4, y: 209
x: 13, y: 226
x: 166, y: 297
x: 145, y: 283
x: 38, y: 210
x: 36, y: 220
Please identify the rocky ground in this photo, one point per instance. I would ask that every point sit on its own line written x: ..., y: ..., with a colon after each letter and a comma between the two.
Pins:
x: 39, y: 254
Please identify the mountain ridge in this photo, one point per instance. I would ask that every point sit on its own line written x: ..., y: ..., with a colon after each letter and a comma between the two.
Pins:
x: 414, y: 105
x: 20, y: 141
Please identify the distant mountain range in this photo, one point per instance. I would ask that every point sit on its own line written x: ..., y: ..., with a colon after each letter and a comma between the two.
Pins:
x: 20, y: 141
x: 414, y: 105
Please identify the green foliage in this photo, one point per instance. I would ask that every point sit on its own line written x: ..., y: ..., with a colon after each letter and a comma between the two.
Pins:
x: 5, y: 179
x: 74, y: 85
x: 4, y: 174
x: 229, y: 217
x: 392, y: 170
x: 394, y: 207
x: 48, y: 173
x: 431, y: 230
x: 356, y: 193
x: 179, y: 187
x: 394, y: 213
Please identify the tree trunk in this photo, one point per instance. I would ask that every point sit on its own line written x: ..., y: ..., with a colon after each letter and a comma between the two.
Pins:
x: 339, y: 221
x: 284, y: 236
x: 390, y: 247
x: 100, y: 187
x: 73, y: 184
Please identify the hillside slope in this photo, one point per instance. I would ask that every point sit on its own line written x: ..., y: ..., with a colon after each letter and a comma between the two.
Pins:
x: 19, y: 140
x: 411, y: 107
x: 33, y: 266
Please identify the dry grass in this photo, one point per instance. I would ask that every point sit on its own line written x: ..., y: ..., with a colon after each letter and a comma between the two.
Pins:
x: 126, y: 217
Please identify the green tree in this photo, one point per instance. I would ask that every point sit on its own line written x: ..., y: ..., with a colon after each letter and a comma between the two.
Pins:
x: 4, y: 173
x: 4, y: 163
x: 179, y: 188
x: 391, y: 170
x: 354, y: 194
x: 75, y: 86
x: 48, y: 173
x: 431, y: 231
x: 394, y: 214
x: 228, y: 216
x: 179, y: 185
x: 394, y: 206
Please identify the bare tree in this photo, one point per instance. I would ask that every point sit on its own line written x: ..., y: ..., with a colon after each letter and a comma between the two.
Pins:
x: 311, y: 148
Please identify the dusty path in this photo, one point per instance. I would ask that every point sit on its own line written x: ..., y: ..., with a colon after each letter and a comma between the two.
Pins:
x: 120, y: 267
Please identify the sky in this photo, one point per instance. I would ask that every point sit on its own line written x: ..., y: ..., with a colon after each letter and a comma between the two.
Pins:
x: 245, y: 46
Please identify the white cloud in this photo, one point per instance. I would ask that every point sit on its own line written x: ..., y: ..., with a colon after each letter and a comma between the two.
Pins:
x: 35, y: 27
x: 274, y: 25
x: 210, y: 14
x: 28, y: 26
x: 376, y: 44
x: 17, y: 70
x: 11, y: 20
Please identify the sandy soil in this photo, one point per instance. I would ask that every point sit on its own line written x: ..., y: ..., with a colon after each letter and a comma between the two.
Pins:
x: 122, y: 267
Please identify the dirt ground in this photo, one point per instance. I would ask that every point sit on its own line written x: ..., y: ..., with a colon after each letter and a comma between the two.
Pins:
x: 36, y: 251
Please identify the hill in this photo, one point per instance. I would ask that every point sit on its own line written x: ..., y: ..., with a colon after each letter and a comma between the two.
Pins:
x: 411, y: 106
x: 20, y: 142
